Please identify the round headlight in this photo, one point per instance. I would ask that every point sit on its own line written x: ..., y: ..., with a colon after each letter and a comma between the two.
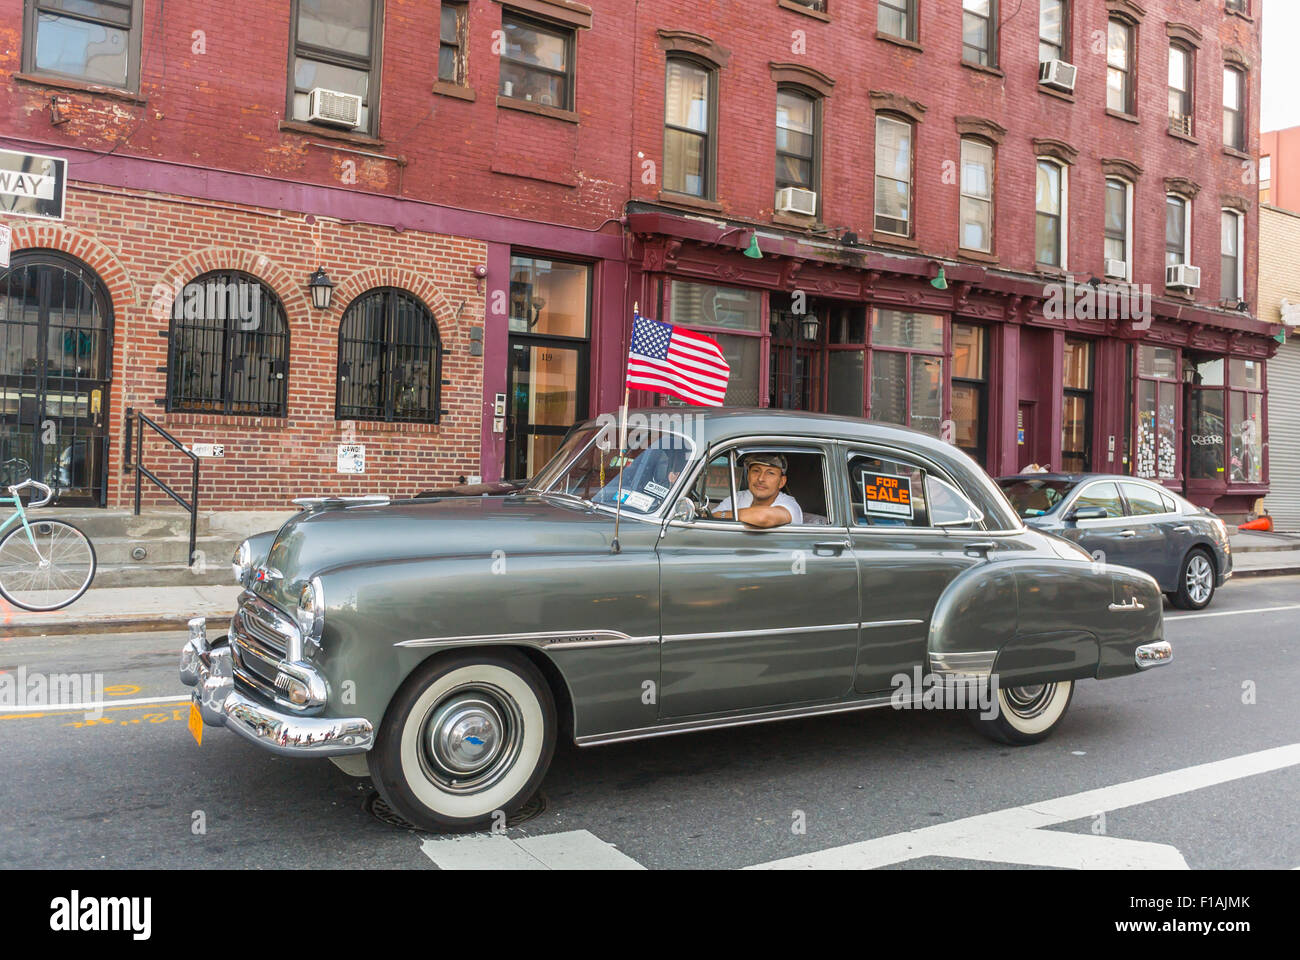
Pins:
x: 242, y: 564
x: 310, y: 611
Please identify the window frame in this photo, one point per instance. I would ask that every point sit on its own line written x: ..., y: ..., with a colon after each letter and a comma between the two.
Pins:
x: 1128, y: 225
x: 226, y: 400
x: 32, y: 10
x: 374, y: 68
x: 911, y: 125
x: 979, y: 384
x: 733, y: 449
x: 386, y: 344
x: 815, y: 158
x: 461, y: 8
x: 908, y: 9
x: 991, y: 200
x: 1063, y: 216
x: 570, y: 71
x: 1239, y: 272
x: 1239, y: 111
x: 988, y: 55
x: 1188, y: 94
x: 1129, y: 71
x: 709, y: 185
x: 1064, y: 49
x: 943, y: 354
x: 1087, y: 395
x: 1187, y: 229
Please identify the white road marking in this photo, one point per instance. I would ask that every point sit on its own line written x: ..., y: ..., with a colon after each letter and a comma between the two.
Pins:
x: 98, y: 705
x: 1015, y: 835
x: 1232, y: 613
x: 572, y: 850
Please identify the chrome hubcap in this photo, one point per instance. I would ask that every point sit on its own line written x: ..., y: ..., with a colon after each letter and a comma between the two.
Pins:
x: 1200, y: 579
x: 1028, y: 702
x: 470, y: 738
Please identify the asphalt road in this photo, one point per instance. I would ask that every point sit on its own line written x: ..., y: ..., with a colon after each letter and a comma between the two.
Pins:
x: 132, y: 789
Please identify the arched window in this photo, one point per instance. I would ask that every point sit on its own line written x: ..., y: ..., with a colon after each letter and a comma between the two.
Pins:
x: 228, y: 350
x: 390, y: 359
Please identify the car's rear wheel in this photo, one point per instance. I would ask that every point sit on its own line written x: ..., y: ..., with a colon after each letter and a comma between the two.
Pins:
x: 465, y: 742
x: 1195, y: 582
x: 1026, y: 714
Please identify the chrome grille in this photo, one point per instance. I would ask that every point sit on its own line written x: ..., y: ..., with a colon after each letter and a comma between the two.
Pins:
x: 260, y: 637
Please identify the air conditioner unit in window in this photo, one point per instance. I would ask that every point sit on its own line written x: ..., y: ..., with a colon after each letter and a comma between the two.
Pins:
x: 333, y: 107
x: 1180, y: 123
x: 1116, y: 270
x: 1058, y: 73
x: 796, y: 200
x: 1182, y: 276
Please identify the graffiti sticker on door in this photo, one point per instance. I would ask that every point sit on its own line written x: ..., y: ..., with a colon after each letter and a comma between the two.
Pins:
x: 889, y: 495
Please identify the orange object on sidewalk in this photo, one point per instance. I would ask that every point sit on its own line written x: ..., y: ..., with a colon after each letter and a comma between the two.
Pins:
x: 1264, y: 523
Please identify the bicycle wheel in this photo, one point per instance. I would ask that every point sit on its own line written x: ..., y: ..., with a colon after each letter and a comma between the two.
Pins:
x: 53, y: 575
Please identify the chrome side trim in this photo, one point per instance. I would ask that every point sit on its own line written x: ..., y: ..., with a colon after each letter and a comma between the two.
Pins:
x: 724, y: 634
x: 643, y: 733
x: 890, y: 623
x: 1129, y: 607
x: 975, y: 663
x: 549, y: 640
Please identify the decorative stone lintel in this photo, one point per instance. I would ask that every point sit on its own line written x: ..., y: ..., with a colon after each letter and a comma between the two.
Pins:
x: 1184, y: 32
x: 896, y: 103
x: 1056, y: 149
x: 804, y: 76
x: 1237, y: 57
x: 1182, y: 186
x: 1119, y: 167
x: 1232, y: 202
x: 979, y: 127
x: 683, y: 41
x: 1128, y: 8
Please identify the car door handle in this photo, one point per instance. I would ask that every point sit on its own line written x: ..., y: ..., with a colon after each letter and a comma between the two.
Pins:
x: 830, y: 547
x: 1127, y: 534
x: 1182, y: 528
x: 980, y: 546
x: 1132, y: 605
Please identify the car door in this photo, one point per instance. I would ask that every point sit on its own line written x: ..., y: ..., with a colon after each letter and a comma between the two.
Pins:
x: 755, y: 618
x: 1156, y: 538
x: 1107, y: 539
x: 905, y: 562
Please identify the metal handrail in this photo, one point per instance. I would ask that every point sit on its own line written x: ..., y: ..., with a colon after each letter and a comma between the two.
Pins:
x: 142, y: 471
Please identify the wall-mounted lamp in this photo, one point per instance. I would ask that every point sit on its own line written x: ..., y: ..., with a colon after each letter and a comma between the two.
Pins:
x: 322, y: 289
x: 754, y: 253
x: 941, y: 281
x: 809, y: 326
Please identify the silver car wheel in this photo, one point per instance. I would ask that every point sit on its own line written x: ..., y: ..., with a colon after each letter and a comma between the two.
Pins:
x: 470, y: 738
x: 1200, y: 579
x: 1028, y: 702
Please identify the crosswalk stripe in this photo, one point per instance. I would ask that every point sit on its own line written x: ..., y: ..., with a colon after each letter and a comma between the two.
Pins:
x: 571, y: 850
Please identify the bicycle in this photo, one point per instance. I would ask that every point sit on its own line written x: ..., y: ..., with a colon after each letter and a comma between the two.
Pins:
x: 44, y: 564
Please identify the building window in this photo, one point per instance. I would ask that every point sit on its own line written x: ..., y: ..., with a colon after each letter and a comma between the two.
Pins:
x: 1050, y: 202
x: 1231, y: 266
x: 1208, y: 439
x: 537, y: 63
x: 228, y: 348
x: 978, y: 32
x: 1234, y: 108
x: 452, y: 36
x: 1053, y: 19
x: 897, y: 18
x: 1265, y: 179
x: 818, y: 5
x: 1119, y: 66
x: 1245, y: 413
x: 1119, y: 235
x: 893, y: 176
x: 796, y: 140
x: 734, y: 318
x: 97, y: 41
x: 1157, y: 413
x: 1237, y: 6
x: 1076, y: 414
x: 1180, y: 89
x: 1178, y: 236
x: 970, y: 389
x: 549, y: 297
x: 390, y: 357
x: 688, y: 126
x: 907, y: 369
x: 976, y: 195
x: 336, y: 47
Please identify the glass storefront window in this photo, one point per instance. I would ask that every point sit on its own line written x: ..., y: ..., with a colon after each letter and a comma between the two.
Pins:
x: 704, y: 305
x: 969, y: 358
x: 889, y: 387
x: 1157, y: 451
x: 847, y: 377
x: 900, y: 328
x: 1247, y: 436
x: 742, y: 354
x: 1158, y: 362
x: 549, y: 297
x: 1248, y: 374
x: 1076, y: 413
x: 1206, y: 443
x: 967, y: 352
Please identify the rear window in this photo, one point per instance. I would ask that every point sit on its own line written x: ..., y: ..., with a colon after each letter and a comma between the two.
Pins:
x: 1036, y: 498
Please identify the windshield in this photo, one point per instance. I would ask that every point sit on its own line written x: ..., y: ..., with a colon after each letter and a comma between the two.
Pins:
x: 1036, y: 498
x: 588, y: 467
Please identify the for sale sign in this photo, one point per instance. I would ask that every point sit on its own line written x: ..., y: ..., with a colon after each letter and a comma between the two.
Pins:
x: 32, y: 185
x: 886, y: 494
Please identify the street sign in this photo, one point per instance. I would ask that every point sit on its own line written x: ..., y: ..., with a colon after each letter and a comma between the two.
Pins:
x: 352, y: 458
x: 32, y: 185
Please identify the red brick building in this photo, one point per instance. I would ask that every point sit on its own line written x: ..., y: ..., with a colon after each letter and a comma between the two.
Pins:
x: 924, y: 183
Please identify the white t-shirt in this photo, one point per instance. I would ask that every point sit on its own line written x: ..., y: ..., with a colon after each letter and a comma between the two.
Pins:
x: 746, y: 499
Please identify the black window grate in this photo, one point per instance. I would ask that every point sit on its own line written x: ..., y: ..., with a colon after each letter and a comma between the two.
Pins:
x: 228, y: 348
x: 389, y: 360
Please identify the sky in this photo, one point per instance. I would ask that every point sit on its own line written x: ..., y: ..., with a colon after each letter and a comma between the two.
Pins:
x: 1281, y: 106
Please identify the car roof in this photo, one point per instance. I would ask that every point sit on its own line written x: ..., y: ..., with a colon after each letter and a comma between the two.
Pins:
x: 1082, y: 477
x: 723, y: 422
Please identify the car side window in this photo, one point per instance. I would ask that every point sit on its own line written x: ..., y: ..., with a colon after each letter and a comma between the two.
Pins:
x: 1142, y: 501
x: 713, y: 485
x: 805, y: 483
x: 1104, y: 495
x: 887, y: 493
x: 1171, y: 505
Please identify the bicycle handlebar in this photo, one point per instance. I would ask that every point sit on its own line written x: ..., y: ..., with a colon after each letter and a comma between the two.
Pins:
x: 19, y: 487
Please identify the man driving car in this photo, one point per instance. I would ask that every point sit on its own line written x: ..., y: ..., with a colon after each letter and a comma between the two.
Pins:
x: 763, y: 504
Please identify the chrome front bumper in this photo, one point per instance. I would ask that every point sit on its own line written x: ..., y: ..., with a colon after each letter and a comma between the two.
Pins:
x: 210, y: 670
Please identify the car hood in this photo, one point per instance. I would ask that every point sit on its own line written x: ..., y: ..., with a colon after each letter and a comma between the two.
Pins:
x: 320, y: 540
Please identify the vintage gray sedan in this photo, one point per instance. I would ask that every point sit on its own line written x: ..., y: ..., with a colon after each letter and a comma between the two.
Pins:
x: 441, y: 645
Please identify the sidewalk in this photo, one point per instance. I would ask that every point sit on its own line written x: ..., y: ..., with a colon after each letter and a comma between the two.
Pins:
x: 1259, y: 554
x: 123, y: 610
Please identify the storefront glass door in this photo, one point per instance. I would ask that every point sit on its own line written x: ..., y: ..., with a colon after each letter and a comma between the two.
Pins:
x: 548, y: 395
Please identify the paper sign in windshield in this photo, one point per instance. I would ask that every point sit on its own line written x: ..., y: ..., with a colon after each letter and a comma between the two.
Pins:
x: 889, y: 495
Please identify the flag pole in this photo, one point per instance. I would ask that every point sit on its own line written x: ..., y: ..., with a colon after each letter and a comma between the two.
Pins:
x: 616, y: 547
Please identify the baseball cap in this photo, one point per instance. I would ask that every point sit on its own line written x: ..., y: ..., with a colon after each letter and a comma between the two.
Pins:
x: 767, y: 459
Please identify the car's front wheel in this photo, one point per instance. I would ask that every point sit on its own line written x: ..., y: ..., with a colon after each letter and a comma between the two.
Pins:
x: 1195, y: 582
x: 1025, y: 714
x: 467, y: 737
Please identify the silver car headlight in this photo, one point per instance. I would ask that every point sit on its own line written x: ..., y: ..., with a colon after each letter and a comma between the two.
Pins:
x: 310, y: 612
x: 242, y: 564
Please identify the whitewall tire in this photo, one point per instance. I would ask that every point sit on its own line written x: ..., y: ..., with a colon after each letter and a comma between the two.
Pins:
x: 467, y: 737
x: 1026, y: 714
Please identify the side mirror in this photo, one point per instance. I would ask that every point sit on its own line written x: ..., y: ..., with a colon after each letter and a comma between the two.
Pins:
x: 1087, y: 513
x: 684, y: 510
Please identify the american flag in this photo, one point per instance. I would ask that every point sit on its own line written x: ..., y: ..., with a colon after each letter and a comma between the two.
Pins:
x: 674, y: 360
